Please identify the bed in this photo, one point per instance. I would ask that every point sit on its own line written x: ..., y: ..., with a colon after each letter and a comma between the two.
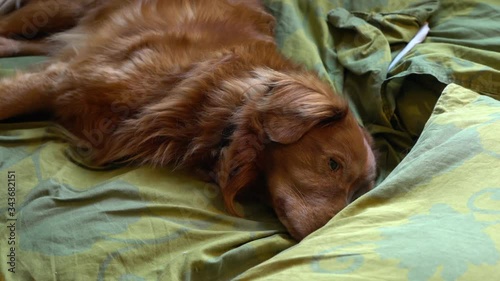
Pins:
x: 434, y: 215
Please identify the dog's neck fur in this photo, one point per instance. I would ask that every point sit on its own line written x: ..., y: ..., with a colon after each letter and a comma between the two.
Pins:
x: 204, y: 120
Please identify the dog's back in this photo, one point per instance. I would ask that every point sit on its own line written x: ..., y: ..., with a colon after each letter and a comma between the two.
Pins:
x: 187, y: 29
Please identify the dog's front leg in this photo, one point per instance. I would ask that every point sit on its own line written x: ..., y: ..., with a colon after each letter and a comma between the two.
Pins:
x: 30, y: 92
x: 12, y: 48
x: 35, y: 19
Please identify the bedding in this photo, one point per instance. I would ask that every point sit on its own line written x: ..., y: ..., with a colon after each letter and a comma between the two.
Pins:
x: 433, y: 216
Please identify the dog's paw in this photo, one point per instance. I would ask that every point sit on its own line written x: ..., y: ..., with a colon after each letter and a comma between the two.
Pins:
x: 9, y: 47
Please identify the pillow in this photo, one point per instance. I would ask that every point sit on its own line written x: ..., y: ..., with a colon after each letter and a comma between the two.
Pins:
x: 435, y: 217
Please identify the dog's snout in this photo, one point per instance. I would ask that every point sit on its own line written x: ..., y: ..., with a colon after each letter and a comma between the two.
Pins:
x: 301, y: 220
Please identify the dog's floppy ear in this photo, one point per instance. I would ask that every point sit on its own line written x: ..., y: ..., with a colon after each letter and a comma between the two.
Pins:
x: 295, y: 104
x: 285, y: 107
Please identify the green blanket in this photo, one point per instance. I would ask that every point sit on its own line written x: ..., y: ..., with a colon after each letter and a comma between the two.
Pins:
x: 434, y: 216
x: 351, y: 43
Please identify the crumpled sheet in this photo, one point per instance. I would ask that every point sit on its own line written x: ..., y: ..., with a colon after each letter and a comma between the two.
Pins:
x: 351, y: 44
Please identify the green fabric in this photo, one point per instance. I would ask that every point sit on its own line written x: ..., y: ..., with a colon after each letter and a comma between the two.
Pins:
x: 436, y: 217
x: 79, y: 223
x: 351, y: 43
x: 9, y: 66
x: 126, y: 224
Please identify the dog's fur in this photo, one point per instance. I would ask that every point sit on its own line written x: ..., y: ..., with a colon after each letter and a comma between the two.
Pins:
x: 196, y: 84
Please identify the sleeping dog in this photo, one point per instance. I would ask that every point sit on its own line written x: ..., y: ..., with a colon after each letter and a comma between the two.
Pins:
x: 195, y: 84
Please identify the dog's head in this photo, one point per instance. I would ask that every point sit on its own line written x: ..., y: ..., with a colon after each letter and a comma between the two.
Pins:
x: 314, y: 156
x: 312, y: 179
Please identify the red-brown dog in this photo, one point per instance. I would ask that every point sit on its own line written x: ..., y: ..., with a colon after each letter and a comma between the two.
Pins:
x: 197, y: 84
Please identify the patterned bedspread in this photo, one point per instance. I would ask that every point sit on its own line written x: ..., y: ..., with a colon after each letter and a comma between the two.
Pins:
x: 434, y: 215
